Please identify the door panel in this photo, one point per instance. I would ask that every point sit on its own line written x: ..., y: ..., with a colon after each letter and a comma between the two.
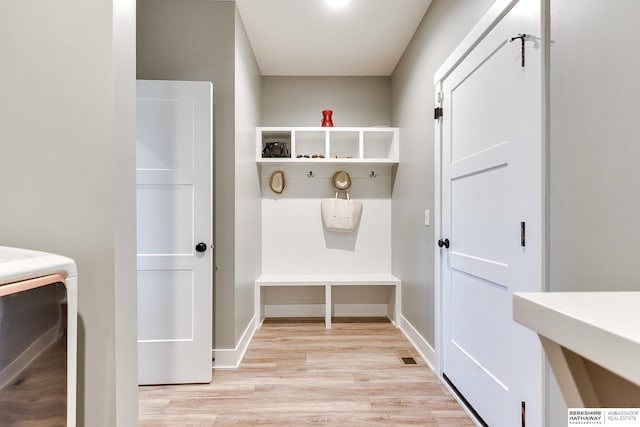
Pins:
x: 174, y: 213
x: 165, y: 219
x: 467, y: 291
x: 165, y: 305
x: 490, y: 136
x: 473, y: 132
x: 479, y: 217
x: 165, y: 134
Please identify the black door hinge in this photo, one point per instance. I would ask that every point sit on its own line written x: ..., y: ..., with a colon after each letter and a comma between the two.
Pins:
x: 437, y: 113
x: 523, y: 234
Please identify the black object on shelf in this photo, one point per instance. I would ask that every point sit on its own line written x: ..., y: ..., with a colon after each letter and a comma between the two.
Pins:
x: 276, y: 149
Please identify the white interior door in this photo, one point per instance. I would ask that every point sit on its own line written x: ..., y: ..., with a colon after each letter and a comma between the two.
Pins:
x: 491, y: 184
x: 174, y: 230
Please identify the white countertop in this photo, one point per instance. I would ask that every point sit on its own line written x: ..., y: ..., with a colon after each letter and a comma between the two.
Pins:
x: 603, y: 327
x: 19, y: 264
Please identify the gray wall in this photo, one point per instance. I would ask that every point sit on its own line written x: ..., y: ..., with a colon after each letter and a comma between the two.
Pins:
x: 412, y: 93
x: 299, y: 101
x: 247, y: 183
x: 594, y: 149
x: 595, y: 146
x: 194, y: 40
x: 67, y: 177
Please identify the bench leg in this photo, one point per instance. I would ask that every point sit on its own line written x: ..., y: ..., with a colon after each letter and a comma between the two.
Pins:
x: 327, y: 305
x: 398, y: 304
x: 258, y: 307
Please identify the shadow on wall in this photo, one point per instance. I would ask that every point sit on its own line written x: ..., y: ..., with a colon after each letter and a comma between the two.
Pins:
x: 345, y: 240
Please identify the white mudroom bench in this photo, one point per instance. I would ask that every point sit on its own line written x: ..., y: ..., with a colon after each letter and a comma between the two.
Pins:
x: 327, y: 281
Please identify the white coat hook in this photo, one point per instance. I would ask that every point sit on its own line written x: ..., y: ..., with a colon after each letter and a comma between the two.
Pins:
x: 373, y: 174
x: 311, y: 174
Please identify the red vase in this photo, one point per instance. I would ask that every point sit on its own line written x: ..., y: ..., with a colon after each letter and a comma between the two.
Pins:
x: 326, y: 118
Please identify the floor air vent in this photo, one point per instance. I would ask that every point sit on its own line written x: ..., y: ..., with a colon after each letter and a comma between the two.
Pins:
x: 409, y: 361
x: 406, y: 357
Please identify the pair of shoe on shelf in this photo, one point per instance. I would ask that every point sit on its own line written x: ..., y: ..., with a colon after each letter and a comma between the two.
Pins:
x: 312, y: 156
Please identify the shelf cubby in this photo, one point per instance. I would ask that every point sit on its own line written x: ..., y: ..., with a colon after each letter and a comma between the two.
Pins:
x: 378, y: 145
x: 310, y: 143
x: 344, y: 145
x: 280, y: 136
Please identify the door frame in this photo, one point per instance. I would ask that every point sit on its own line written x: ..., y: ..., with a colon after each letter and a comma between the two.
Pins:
x: 488, y: 21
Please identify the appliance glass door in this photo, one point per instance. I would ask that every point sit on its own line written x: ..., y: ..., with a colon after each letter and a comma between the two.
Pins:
x: 33, y: 357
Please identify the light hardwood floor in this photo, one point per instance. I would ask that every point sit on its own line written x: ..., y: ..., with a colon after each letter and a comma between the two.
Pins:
x: 299, y: 373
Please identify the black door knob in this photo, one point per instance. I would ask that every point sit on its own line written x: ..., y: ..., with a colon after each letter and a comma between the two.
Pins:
x: 444, y: 243
x: 201, y: 247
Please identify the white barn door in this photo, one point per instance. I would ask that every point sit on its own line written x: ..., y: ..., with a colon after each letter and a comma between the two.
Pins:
x: 491, y: 213
x: 174, y: 230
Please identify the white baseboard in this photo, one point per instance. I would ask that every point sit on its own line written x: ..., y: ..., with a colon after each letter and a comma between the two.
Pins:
x: 231, y: 358
x: 294, y: 310
x: 361, y: 310
x: 421, y: 345
x: 318, y: 310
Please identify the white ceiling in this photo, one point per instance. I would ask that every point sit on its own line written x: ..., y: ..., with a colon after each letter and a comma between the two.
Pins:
x: 309, y: 38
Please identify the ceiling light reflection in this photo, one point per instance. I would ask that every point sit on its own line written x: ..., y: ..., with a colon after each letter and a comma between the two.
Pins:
x: 337, y: 4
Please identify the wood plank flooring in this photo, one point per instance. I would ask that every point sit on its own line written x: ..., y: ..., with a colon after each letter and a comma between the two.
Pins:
x: 301, y: 374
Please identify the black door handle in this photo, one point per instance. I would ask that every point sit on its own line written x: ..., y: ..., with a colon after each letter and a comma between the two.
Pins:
x: 444, y: 243
x: 201, y: 247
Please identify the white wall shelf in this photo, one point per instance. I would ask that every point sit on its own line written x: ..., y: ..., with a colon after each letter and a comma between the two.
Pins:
x: 331, y: 145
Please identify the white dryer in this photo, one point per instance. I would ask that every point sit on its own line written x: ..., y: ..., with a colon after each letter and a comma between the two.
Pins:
x: 38, y: 338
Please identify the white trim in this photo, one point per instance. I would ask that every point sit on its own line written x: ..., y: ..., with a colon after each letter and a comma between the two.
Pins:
x: 361, y: 310
x: 231, y: 358
x: 294, y: 310
x: 72, y: 347
x: 364, y: 310
x: 318, y: 310
x: 499, y: 9
x: 437, y: 227
x: 423, y: 347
